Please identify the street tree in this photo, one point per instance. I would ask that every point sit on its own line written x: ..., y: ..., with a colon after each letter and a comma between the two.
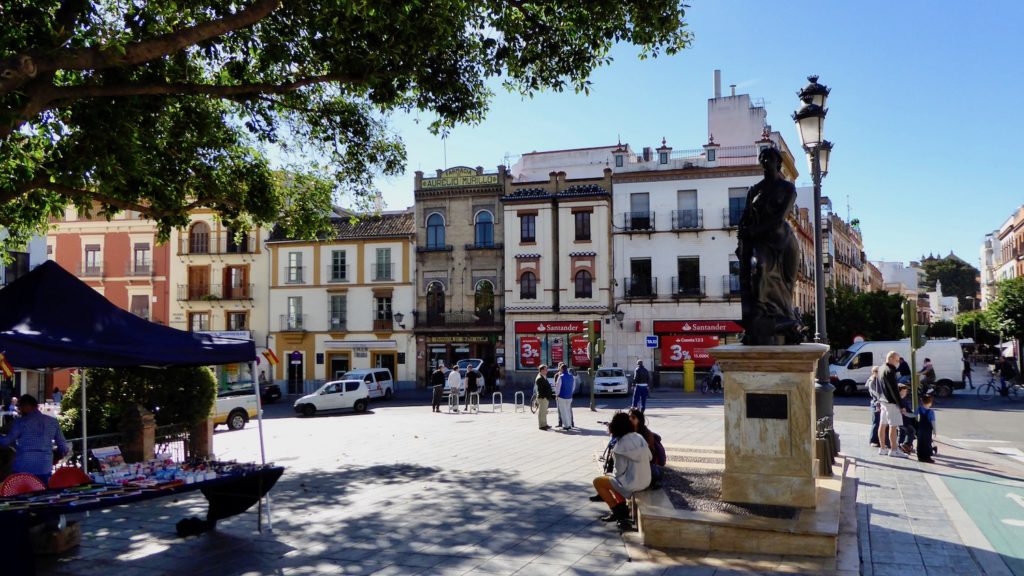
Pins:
x: 976, y: 324
x: 1006, y: 311
x: 958, y: 278
x: 162, y: 107
x: 872, y: 315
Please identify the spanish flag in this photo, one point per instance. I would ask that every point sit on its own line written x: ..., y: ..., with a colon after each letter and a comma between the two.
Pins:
x: 5, y: 367
x: 271, y: 357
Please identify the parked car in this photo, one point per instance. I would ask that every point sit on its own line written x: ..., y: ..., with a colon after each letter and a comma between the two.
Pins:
x: 336, y: 395
x: 378, y: 381
x: 465, y: 363
x: 234, y: 407
x: 611, y: 381
x: 269, y: 392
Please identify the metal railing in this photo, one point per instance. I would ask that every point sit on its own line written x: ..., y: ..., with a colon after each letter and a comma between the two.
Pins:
x: 731, y: 284
x: 340, y: 273
x: 383, y: 323
x: 435, y: 248
x: 383, y: 271
x: 691, y: 287
x: 687, y: 219
x: 214, y: 292
x: 90, y: 270
x: 694, y: 158
x: 132, y: 269
x: 292, y: 322
x: 215, y: 243
x: 485, y: 246
x: 174, y: 440
x: 638, y: 221
x: 94, y: 441
x: 640, y: 287
x: 457, y: 319
x: 293, y: 274
x: 731, y: 218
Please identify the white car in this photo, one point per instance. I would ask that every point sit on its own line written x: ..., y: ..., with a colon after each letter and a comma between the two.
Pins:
x: 235, y: 406
x: 611, y: 381
x: 336, y: 395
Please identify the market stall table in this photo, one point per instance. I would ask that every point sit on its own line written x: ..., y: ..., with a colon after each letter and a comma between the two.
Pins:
x: 227, y: 495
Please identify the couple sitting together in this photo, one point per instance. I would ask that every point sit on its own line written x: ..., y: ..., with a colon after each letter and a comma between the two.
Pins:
x: 633, y: 461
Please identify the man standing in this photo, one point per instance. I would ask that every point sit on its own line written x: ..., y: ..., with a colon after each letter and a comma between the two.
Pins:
x: 565, y: 382
x: 641, y: 378
x: 472, y: 385
x: 34, y: 434
x: 437, y: 387
x: 454, y: 385
x: 891, y: 418
x: 544, y: 395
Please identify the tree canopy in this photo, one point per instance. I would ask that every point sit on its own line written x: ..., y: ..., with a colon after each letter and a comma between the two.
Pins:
x: 958, y: 278
x: 872, y: 315
x: 165, y: 106
x: 1005, y: 313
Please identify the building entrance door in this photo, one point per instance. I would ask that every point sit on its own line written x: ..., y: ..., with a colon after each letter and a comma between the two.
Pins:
x: 337, y: 366
x: 295, y: 373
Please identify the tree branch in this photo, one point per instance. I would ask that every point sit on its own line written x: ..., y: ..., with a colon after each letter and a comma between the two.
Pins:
x: 21, y: 68
x: 42, y: 182
x: 223, y: 91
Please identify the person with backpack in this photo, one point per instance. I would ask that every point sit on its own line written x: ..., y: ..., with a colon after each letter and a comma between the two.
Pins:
x: 658, y: 456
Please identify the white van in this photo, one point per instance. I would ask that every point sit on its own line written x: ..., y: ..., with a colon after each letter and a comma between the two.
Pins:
x: 851, y: 371
x: 378, y: 381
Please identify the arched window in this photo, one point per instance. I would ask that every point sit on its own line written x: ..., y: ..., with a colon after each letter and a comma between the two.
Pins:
x: 484, y: 229
x: 199, y: 238
x: 528, y: 286
x: 435, y: 231
x: 435, y: 304
x: 483, y: 302
x: 584, y: 284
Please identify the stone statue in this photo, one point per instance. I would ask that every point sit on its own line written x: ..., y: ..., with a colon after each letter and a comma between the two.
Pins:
x: 768, y: 256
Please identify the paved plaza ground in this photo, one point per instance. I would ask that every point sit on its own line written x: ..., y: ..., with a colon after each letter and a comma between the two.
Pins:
x: 401, y: 490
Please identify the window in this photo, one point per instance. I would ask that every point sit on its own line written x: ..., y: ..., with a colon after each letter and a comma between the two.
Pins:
x: 734, y: 277
x: 293, y: 321
x: 141, y: 260
x: 528, y: 286
x: 140, y: 305
x: 17, y: 268
x: 435, y: 304
x: 689, y: 276
x: 582, y: 226
x: 483, y: 302
x: 383, y: 268
x: 737, y: 204
x: 484, y: 229
x: 294, y: 271
x: 639, y: 283
x: 199, y: 238
x: 639, y: 217
x: 238, y: 321
x: 687, y: 216
x: 584, y: 284
x: 339, y: 267
x: 528, y: 228
x: 236, y: 244
x: 382, y: 319
x: 862, y: 360
x: 712, y: 154
x: 236, y: 283
x: 198, y: 321
x: 618, y: 160
x: 93, y: 265
x: 337, y: 312
x: 663, y: 157
x: 435, y: 231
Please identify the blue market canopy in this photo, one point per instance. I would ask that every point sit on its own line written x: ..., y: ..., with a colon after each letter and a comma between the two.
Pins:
x: 51, y: 319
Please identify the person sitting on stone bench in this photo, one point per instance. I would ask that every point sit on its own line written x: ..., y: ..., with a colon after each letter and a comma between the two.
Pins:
x: 631, y: 474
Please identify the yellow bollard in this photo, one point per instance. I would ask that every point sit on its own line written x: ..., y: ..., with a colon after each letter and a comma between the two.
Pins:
x: 688, y: 381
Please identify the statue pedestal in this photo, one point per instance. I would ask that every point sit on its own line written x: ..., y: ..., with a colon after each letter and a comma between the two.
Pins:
x: 769, y: 423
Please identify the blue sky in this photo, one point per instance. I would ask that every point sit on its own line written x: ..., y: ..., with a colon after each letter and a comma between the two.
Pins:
x: 926, y: 111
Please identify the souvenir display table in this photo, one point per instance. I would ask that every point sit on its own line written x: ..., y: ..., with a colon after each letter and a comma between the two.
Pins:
x: 230, y: 488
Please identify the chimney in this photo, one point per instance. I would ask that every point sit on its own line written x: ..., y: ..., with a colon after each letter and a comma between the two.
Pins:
x: 732, y: 87
x: 718, y: 83
x: 647, y: 154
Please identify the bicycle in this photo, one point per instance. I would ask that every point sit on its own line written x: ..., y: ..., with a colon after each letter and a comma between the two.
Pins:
x: 712, y: 383
x: 988, y: 390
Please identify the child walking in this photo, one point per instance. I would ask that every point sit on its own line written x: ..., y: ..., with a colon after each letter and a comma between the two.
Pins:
x: 925, y: 429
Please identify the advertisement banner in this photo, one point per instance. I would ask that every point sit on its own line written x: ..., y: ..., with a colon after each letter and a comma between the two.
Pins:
x: 557, y: 327
x: 580, y: 351
x: 557, y: 351
x: 690, y: 326
x: 529, y: 351
x: 676, y: 349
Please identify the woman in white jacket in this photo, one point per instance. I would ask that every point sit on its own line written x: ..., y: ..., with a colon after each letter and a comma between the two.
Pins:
x: 632, y: 472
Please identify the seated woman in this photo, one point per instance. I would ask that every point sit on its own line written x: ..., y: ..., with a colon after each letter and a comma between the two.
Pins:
x: 658, y: 456
x: 632, y: 472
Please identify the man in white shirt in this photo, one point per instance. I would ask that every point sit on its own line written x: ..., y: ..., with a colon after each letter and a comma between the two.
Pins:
x: 454, y: 385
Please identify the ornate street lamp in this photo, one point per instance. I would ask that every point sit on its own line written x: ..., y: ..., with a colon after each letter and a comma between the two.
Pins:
x: 810, y: 122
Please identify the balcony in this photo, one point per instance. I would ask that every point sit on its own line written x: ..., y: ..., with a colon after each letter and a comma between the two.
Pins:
x: 640, y: 288
x: 731, y: 285
x: 138, y: 270
x: 383, y: 324
x: 383, y: 271
x: 731, y: 218
x: 210, y: 292
x: 687, y: 220
x: 485, y: 246
x: 688, y: 287
x: 294, y: 274
x: 638, y: 221
x: 292, y: 323
x: 90, y: 270
x: 337, y: 324
x: 340, y: 273
x: 215, y: 243
x: 435, y: 248
x: 456, y: 320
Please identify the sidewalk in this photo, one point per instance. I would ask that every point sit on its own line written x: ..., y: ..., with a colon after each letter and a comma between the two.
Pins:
x: 404, y: 491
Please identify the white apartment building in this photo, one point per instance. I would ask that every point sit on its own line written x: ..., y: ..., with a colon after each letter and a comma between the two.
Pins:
x: 345, y: 302
x: 557, y: 269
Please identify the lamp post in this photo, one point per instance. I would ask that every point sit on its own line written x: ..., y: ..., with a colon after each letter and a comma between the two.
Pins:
x: 810, y: 122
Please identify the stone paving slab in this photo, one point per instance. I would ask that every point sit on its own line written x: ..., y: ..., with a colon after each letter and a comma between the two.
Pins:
x: 401, y: 490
